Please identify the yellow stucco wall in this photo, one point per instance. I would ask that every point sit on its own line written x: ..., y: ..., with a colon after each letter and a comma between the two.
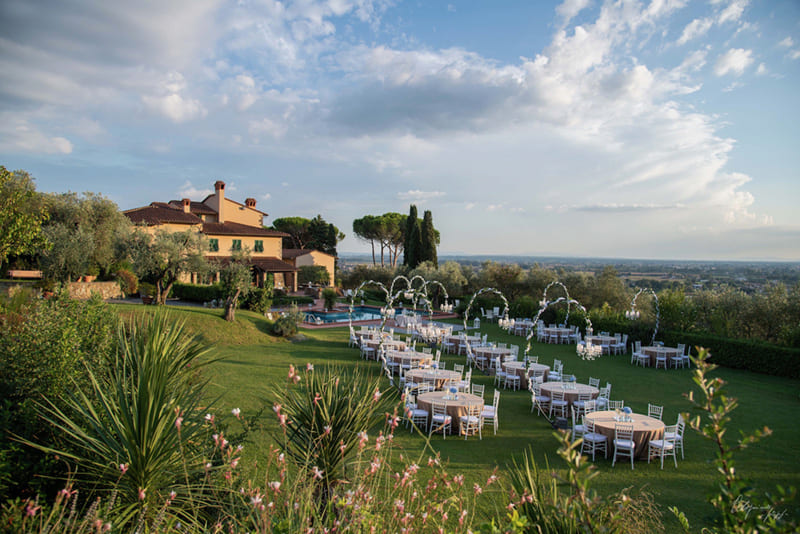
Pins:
x: 272, y: 245
x: 169, y: 227
x: 235, y: 212
x: 316, y: 257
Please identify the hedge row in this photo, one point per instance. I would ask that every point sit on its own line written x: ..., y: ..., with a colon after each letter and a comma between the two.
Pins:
x: 285, y: 300
x: 755, y: 356
x: 197, y: 293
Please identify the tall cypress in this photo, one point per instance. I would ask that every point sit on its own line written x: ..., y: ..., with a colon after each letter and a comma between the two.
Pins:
x: 428, y: 240
x: 413, y: 241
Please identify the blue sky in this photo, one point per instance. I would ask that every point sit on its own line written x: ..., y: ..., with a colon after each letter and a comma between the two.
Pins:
x: 663, y: 129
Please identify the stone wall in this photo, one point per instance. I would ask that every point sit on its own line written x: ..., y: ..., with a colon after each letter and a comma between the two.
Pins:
x: 84, y: 290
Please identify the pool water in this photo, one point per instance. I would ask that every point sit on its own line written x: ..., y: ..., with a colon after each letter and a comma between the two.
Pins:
x: 360, y: 313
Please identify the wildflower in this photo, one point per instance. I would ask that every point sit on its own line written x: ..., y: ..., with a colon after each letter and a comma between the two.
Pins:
x: 342, y: 447
x: 317, y: 472
x: 510, y: 506
x: 234, y: 463
x: 326, y: 430
x: 309, y: 367
x: 275, y: 486
x: 296, y: 379
x: 276, y: 408
x: 291, y: 372
x: 210, y: 418
x: 172, y: 495
x: 178, y: 422
x: 31, y: 510
x: 459, y: 479
x: 362, y: 439
x: 413, y: 468
x: 282, y: 420
x: 317, y: 398
x: 255, y: 499
x: 239, y: 448
x: 463, y: 516
x: 141, y: 494
x: 123, y: 468
x: 376, y: 396
x: 236, y: 412
x: 478, y: 490
x: 208, y: 466
x: 281, y: 458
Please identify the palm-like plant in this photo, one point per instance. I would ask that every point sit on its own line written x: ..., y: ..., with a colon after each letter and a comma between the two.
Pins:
x: 324, y: 418
x: 139, y: 433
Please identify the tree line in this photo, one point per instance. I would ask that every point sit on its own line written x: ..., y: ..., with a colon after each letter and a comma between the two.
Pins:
x: 395, y: 234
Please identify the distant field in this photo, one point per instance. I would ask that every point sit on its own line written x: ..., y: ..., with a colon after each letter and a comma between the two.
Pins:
x: 254, y: 368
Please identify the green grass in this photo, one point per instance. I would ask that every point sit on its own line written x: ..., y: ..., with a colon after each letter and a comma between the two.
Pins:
x: 254, y: 367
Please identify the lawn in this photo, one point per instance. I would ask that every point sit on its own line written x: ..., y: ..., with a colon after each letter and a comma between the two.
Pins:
x: 253, y: 368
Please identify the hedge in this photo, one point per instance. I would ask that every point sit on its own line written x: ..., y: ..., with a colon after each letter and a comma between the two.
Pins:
x: 285, y: 300
x: 755, y: 356
x: 196, y: 292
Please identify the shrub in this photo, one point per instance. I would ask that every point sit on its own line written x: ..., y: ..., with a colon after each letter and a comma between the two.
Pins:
x: 128, y: 281
x: 286, y: 300
x: 755, y: 356
x: 286, y: 325
x: 524, y: 307
x: 315, y: 274
x: 45, y: 348
x: 197, y: 292
x: 329, y: 296
x: 138, y: 431
x: 146, y: 289
x: 258, y: 300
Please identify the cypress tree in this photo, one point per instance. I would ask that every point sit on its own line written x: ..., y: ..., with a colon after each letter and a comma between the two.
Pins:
x: 428, y: 240
x: 413, y: 241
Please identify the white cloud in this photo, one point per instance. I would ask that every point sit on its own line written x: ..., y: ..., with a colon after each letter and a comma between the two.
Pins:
x: 418, y: 195
x: 568, y: 9
x: 18, y: 134
x: 696, y: 28
x: 734, y: 61
x: 733, y: 12
x: 469, y: 205
x: 188, y: 190
x: 794, y: 54
x: 762, y: 69
x: 266, y: 196
x: 786, y: 43
x: 175, y: 107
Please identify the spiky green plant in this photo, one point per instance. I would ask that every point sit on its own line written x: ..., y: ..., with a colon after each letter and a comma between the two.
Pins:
x: 140, y: 431
x: 324, y: 414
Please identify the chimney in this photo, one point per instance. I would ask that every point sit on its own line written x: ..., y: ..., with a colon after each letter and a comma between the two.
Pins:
x: 250, y: 203
x: 219, y: 188
x: 187, y: 205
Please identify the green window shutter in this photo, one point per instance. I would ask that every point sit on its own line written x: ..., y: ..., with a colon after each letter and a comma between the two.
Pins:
x: 259, y: 247
x: 237, y: 244
x: 213, y: 245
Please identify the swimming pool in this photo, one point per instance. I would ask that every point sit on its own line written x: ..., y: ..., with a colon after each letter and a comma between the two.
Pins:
x: 360, y: 313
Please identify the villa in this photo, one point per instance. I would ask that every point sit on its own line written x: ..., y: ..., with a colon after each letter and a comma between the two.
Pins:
x: 230, y: 226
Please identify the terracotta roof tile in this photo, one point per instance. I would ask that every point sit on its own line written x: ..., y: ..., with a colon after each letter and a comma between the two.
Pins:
x: 160, y: 213
x: 232, y: 228
x: 195, y: 207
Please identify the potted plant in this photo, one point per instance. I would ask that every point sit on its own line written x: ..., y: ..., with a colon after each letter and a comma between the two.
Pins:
x: 146, y: 292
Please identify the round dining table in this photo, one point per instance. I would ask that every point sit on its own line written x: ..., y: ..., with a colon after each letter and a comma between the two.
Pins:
x: 645, y: 429
x: 455, y: 407
x: 439, y: 377
x: 490, y: 353
x: 653, y: 352
x: 571, y: 390
x: 458, y: 340
x: 390, y: 344
x: 421, y: 358
x: 519, y: 369
x: 557, y: 333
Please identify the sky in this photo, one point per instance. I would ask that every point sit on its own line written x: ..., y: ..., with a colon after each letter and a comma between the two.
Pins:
x: 664, y: 129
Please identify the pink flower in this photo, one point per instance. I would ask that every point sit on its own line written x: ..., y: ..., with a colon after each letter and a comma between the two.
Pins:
x: 342, y: 447
x: 317, y: 472
x: 296, y: 379
x: 123, y: 468
x: 326, y: 430
x: 31, y: 510
x: 309, y: 367
x: 141, y: 494
x: 317, y: 398
x: 210, y: 418
x: 234, y: 463
x: 275, y: 486
x: 276, y: 408
x: 477, y: 489
x: 255, y: 500
x: 236, y: 412
x: 172, y: 495
x: 292, y: 372
x: 178, y: 422
x: 376, y: 396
